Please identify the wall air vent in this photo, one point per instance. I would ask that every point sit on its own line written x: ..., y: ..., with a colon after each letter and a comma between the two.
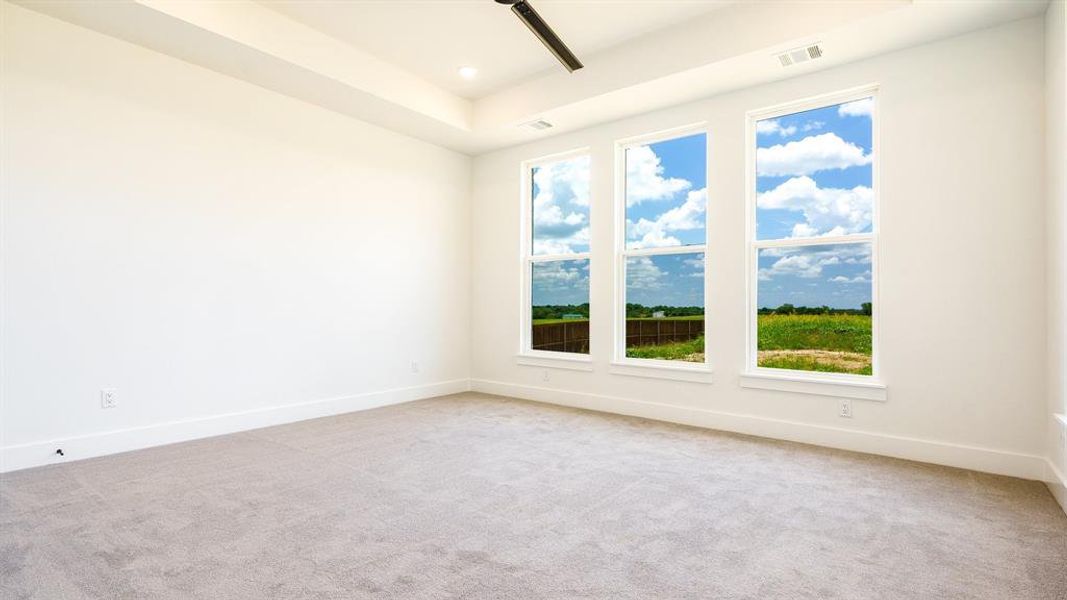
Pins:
x: 799, y: 55
x: 537, y: 125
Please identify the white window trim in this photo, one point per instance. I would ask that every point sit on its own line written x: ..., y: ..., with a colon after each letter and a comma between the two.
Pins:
x: 866, y: 387
x: 554, y: 360
x: 822, y: 384
x: 526, y: 355
x: 654, y: 368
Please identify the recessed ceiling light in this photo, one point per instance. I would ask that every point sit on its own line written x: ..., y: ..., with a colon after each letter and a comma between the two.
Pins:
x: 467, y: 72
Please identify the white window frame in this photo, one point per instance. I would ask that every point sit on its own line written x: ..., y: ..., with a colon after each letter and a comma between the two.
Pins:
x: 865, y: 387
x: 526, y: 354
x: 647, y: 367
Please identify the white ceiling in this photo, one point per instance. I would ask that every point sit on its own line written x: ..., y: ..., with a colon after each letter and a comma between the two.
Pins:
x: 394, y: 62
x: 434, y: 38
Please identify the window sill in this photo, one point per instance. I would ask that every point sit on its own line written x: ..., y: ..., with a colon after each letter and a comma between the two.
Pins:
x: 656, y: 369
x: 824, y: 386
x: 556, y: 360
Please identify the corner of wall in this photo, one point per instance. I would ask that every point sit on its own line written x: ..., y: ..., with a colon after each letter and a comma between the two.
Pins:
x: 1056, y: 265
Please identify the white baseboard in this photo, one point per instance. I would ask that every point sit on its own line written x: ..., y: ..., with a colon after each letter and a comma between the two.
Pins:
x: 987, y: 460
x: 35, y: 454
x: 1057, y: 484
x: 975, y: 458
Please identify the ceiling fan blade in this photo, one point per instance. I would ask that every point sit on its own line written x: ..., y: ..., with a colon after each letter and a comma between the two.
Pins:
x: 537, y: 25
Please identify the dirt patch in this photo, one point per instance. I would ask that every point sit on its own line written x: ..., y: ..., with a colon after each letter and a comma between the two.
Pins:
x: 843, y: 361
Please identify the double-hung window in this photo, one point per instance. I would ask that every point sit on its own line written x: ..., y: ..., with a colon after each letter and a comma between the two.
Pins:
x: 661, y: 245
x: 555, y: 255
x: 813, y: 239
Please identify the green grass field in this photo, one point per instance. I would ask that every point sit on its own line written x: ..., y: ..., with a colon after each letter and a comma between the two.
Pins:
x: 691, y: 351
x: 686, y: 318
x: 551, y: 321
x: 828, y: 343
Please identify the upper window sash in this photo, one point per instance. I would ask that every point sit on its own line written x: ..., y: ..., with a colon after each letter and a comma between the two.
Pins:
x: 663, y: 195
x: 558, y: 209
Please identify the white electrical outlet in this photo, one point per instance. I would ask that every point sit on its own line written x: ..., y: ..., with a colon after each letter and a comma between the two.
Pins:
x: 844, y: 408
x: 109, y: 398
x: 414, y: 366
x: 544, y: 375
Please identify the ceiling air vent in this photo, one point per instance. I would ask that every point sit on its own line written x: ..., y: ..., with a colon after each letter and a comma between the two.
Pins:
x: 537, y: 125
x: 799, y: 55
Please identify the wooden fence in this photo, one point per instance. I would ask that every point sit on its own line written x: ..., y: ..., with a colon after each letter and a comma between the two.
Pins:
x: 573, y: 336
x: 565, y: 336
x: 655, y: 332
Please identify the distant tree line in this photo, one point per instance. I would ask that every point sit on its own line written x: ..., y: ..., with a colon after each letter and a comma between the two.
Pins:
x: 556, y: 311
x: 789, y: 309
x: 640, y: 311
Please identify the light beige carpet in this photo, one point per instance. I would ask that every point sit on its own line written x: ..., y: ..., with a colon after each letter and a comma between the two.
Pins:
x: 478, y: 497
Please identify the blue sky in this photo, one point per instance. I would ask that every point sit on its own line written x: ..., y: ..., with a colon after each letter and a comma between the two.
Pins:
x: 814, y: 172
x: 837, y: 276
x: 560, y: 282
x: 666, y: 193
x: 814, y: 180
x: 666, y: 199
x: 561, y: 206
x: 666, y: 279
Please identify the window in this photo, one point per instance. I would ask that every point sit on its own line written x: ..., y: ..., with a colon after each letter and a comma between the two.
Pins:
x: 556, y: 257
x: 661, y: 249
x: 812, y: 243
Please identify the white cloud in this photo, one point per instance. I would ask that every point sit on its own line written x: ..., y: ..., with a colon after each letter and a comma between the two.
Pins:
x: 561, y: 276
x: 858, y: 108
x: 644, y: 177
x: 562, y: 245
x: 643, y: 274
x: 772, y: 126
x: 809, y: 155
x: 560, y: 206
x: 813, y: 125
x: 551, y: 215
x: 565, y: 180
x: 798, y: 265
x: 827, y: 211
x: 696, y: 263
x: 656, y: 238
x: 808, y: 262
x: 645, y: 233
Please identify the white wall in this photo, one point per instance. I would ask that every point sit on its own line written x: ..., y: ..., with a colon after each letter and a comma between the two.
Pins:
x: 1056, y: 193
x: 962, y: 263
x: 207, y: 248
